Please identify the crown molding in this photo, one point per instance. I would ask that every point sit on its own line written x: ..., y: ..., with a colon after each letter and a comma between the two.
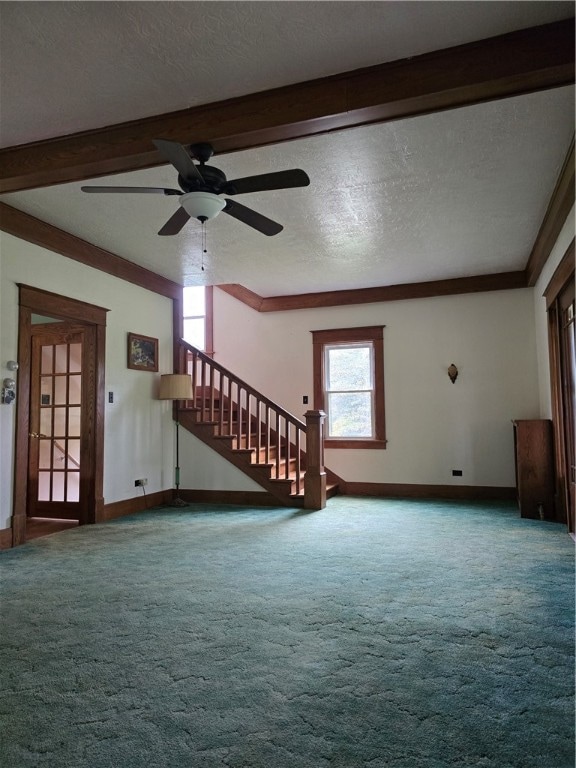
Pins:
x: 499, y: 67
x: 556, y: 214
x: 33, y: 230
x: 477, y: 284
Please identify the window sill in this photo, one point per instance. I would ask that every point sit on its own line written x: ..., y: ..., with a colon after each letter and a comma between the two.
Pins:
x: 351, y: 443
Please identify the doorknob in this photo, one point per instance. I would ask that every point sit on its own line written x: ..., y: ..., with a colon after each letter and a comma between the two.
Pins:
x: 36, y: 434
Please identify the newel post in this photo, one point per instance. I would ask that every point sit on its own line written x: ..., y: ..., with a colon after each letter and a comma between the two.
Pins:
x: 315, y: 477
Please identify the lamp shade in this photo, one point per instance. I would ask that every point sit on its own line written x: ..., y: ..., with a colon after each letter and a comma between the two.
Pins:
x: 202, y: 205
x: 175, y: 386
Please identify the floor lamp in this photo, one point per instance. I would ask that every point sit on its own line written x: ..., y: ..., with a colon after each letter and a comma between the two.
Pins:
x: 176, y: 386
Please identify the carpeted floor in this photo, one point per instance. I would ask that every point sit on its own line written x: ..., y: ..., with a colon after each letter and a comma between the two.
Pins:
x: 407, y: 634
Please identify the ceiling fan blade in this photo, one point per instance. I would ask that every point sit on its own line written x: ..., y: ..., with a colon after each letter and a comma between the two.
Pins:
x: 142, y: 190
x: 252, y: 218
x: 175, y: 223
x: 267, y: 181
x: 179, y: 158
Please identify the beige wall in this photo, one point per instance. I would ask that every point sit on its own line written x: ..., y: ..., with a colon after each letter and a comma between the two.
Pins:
x: 138, y: 427
x: 433, y: 426
x: 204, y: 469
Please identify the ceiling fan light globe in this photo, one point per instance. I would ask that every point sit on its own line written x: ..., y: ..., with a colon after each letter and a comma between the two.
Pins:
x: 202, y: 205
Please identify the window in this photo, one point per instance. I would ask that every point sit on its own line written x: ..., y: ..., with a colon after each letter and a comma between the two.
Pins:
x: 349, y: 386
x: 349, y: 390
x: 197, y: 317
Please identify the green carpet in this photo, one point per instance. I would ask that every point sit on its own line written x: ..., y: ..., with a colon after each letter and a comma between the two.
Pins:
x: 373, y: 633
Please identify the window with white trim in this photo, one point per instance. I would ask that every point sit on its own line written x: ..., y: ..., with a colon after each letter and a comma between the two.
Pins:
x: 349, y: 386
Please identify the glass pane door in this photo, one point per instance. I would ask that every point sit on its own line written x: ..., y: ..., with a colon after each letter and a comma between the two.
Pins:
x: 60, y: 404
x: 56, y: 406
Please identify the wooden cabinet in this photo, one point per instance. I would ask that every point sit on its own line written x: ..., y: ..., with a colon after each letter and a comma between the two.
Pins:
x: 533, y: 448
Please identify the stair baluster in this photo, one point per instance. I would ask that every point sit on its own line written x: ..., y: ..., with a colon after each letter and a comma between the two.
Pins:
x: 256, y: 434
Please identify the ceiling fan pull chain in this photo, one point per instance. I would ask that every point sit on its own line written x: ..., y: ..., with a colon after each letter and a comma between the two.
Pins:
x: 203, y: 243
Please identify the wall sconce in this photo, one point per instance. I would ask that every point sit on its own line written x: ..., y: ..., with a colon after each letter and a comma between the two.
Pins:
x: 452, y: 373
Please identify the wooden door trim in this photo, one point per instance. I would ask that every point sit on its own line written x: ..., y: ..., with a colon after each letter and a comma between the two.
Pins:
x: 60, y: 307
x: 562, y: 274
x: 20, y: 500
x: 559, y: 280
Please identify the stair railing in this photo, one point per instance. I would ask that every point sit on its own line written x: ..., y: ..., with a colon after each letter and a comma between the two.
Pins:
x: 253, y: 420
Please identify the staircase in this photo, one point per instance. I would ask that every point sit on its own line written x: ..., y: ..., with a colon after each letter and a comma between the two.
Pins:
x: 278, y: 451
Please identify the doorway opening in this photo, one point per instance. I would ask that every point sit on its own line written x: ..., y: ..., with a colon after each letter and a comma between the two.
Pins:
x: 37, y: 527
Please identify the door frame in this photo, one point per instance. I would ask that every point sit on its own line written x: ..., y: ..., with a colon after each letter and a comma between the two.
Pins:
x: 35, y: 300
x: 560, y: 279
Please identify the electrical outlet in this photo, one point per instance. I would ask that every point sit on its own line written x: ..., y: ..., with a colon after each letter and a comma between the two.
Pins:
x: 456, y: 473
x: 141, y: 482
x: 305, y: 400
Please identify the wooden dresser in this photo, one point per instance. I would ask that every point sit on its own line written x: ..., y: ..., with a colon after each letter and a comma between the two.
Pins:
x: 533, y: 450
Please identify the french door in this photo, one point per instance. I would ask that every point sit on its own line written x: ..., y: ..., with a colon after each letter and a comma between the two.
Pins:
x: 567, y: 311
x: 57, y: 454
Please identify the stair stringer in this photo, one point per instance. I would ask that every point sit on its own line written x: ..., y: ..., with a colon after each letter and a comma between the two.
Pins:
x: 241, y: 458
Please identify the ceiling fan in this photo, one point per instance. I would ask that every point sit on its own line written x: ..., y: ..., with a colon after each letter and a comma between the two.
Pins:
x: 201, y: 186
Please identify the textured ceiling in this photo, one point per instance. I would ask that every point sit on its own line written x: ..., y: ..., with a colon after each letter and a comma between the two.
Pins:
x: 419, y: 199
x: 69, y: 67
x: 452, y: 194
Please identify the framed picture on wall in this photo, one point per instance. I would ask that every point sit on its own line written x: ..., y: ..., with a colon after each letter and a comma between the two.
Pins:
x: 142, y: 352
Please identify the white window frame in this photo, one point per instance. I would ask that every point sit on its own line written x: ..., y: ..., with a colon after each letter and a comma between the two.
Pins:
x: 371, y: 389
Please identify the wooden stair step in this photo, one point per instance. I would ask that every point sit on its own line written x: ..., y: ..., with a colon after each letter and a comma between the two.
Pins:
x: 247, y: 438
x: 256, y: 459
x: 332, y: 490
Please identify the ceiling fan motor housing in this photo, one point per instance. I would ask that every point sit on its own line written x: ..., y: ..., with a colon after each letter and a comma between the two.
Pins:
x: 214, y: 181
x: 202, y: 151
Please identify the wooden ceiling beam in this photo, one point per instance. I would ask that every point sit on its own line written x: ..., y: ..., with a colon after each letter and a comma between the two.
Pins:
x: 508, y: 65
